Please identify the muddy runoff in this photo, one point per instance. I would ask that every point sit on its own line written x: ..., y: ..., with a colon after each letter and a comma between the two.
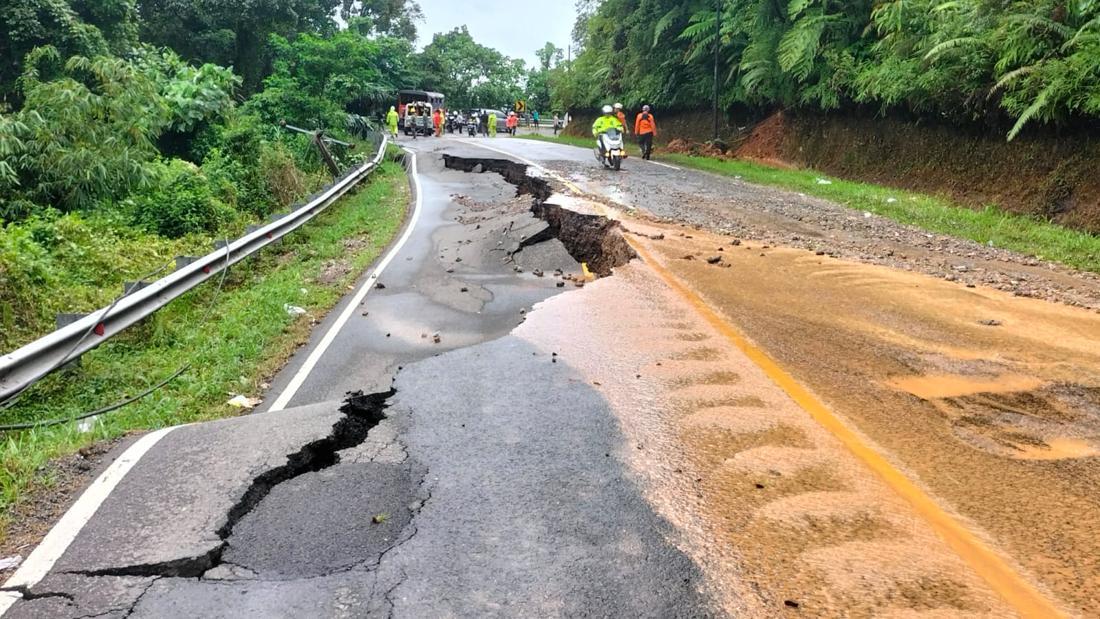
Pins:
x: 989, y: 401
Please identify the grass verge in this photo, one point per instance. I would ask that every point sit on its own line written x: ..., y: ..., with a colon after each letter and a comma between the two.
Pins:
x: 1027, y: 235
x: 234, y: 340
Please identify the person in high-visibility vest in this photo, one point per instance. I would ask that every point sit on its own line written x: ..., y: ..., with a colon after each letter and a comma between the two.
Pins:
x: 391, y: 121
x: 492, y: 124
x: 512, y: 123
x: 437, y: 121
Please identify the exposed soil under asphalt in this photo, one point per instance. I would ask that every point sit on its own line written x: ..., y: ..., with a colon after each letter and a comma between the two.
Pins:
x: 777, y: 217
x: 57, y: 486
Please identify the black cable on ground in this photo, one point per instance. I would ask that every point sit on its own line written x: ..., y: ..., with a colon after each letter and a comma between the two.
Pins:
x: 13, y: 399
x: 56, y: 422
x: 113, y: 407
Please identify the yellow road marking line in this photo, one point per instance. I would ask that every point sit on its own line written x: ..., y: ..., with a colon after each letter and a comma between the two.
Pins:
x: 991, y: 567
x: 1002, y: 578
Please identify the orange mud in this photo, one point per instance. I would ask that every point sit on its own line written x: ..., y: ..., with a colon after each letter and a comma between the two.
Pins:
x: 990, y: 403
x: 781, y: 518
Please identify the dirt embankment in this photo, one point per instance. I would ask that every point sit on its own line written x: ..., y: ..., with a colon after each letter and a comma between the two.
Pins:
x: 1044, y: 175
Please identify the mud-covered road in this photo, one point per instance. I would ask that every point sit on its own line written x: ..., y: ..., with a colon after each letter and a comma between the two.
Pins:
x: 758, y: 405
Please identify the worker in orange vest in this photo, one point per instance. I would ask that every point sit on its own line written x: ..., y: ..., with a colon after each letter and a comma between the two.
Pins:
x: 645, y: 127
x: 622, y: 119
x: 437, y: 120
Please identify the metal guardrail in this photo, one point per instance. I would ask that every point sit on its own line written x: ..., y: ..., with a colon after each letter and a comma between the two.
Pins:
x: 24, y: 367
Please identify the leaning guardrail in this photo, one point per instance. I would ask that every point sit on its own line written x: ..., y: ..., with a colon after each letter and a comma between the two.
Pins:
x: 23, y: 367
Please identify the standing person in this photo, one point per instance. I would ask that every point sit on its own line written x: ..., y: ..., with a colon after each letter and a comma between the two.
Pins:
x: 492, y: 124
x: 483, y: 123
x: 557, y: 123
x: 437, y: 119
x: 535, y: 119
x: 621, y: 115
x: 391, y: 122
x: 412, y: 121
x: 645, y: 127
x: 513, y: 120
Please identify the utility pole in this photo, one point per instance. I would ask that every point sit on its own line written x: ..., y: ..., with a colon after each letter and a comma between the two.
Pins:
x: 717, y: 40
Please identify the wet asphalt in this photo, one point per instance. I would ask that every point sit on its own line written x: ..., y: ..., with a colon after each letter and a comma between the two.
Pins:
x: 493, y: 487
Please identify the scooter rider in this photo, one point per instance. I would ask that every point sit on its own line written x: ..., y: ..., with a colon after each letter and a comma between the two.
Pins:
x: 605, y: 123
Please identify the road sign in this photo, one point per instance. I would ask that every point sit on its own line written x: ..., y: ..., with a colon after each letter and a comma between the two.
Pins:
x: 521, y: 106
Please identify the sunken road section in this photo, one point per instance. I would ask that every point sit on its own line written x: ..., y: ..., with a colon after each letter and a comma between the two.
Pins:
x: 591, y: 239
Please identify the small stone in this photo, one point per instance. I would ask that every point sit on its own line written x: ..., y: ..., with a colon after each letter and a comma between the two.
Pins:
x: 464, y: 289
x: 689, y: 257
x: 790, y: 603
x: 714, y: 259
x: 436, y: 338
x: 990, y: 323
x: 538, y: 273
x: 458, y: 259
x: 380, y: 286
x: 561, y: 284
x: 820, y: 252
x: 736, y: 242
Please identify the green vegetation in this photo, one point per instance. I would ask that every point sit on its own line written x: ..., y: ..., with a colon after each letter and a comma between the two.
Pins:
x: 1000, y: 62
x: 234, y: 339
x: 990, y: 225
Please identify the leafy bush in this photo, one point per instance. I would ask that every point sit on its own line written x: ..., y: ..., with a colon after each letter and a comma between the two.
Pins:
x: 24, y: 271
x: 1030, y: 61
x: 182, y: 204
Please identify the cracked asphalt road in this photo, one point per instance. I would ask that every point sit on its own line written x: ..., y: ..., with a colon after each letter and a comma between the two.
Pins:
x: 693, y: 436
x: 493, y: 486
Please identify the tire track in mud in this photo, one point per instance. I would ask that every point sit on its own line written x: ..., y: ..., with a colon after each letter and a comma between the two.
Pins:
x: 780, y: 516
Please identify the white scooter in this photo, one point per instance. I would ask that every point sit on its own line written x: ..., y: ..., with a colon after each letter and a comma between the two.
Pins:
x: 610, y: 143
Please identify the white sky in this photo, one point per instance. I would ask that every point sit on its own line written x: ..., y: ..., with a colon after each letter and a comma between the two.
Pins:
x: 516, y: 29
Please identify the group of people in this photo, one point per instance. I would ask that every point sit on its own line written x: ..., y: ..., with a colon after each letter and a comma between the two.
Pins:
x: 420, y: 120
x: 645, y: 126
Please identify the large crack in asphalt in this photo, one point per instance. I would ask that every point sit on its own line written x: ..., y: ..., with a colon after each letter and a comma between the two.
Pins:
x: 592, y: 239
x: 362, y: 412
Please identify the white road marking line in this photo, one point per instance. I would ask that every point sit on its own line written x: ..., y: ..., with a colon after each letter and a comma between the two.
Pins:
x: 663, y: 165
x: 42, y: 560
x: 303, y: 373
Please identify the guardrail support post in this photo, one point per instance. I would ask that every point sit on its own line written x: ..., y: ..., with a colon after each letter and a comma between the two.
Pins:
x: 64, y: 320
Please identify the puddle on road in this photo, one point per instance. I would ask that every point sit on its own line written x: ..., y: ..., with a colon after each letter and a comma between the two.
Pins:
x: 938, y: 386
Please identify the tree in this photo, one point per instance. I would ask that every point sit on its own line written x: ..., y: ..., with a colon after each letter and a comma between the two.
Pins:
x: 470, y: 74
x: 233, y: 32
x: 963, y: 60
x: 317, y: 80
x: 538, y: 78
x: 81, y: 28
x: 393, y: 18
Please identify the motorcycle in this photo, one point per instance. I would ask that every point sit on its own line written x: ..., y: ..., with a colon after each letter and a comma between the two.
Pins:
x: 472, y: 126
x: 609, y: 150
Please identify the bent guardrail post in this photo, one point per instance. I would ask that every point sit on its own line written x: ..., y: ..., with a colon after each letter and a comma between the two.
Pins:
x: 21, y: 368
